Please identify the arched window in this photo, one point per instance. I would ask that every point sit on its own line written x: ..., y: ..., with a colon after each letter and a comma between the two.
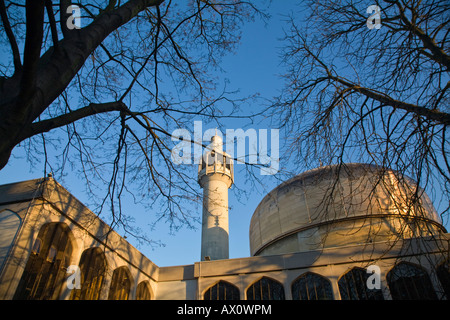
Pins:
x: 353, y: 286
x: 46, y: 267
x: 265, y: 289
x: 9, y: 225
x: 222, y: 290
x: 311, y: 286
x: 93, y: 271
x: 409, y: 282
x: 120, y: 284
x: 443, y: 273
x: 143, y: 291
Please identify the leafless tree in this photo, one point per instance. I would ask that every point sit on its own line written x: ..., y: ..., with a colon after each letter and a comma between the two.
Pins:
x: 356, y: 93
x: 105, y: 89
x: 378, y: 96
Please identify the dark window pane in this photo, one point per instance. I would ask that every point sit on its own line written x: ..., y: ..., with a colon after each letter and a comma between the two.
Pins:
x: 93, y: 270
x: 120, y: 284
x: 443, y: 273
x: 143, y: 291
x: 222, y: 290
x: 353, y: 286
x: 408, y: 282
x: 311, y: 286
x: 266, y: 289
x: 45, y: 270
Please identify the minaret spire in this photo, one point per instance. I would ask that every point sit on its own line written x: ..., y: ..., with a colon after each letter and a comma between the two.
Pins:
x: 215, y: 176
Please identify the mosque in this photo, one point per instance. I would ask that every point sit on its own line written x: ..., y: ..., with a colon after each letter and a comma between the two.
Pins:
x: 343, y: 232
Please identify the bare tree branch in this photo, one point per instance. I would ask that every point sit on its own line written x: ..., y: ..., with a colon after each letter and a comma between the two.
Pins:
x: 10, y: 35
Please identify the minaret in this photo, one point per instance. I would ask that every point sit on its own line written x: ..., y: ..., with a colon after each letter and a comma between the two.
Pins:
x: 215, y: 176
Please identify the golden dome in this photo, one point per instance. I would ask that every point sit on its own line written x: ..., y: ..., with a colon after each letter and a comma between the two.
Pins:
x: 340, y: 205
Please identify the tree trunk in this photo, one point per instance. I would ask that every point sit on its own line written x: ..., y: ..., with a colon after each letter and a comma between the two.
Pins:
x: 26, y: 95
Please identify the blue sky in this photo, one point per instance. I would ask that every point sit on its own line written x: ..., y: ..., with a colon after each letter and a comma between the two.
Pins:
x: 255, y: 67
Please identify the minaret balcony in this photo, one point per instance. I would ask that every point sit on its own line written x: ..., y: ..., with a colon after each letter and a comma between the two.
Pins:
x: 216, y: 163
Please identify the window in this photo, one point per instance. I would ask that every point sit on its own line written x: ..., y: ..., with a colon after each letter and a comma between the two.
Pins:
x: 37, y: 246
x: 222, y: 290
x: 443, y: 273
x: 9, y: 226
x: 228, y: 163
x: 353, y: 286
x: 409, y: 282
x: 93, y: 271
x: 143, y: 291
x: 311, y: 286
x: 46, y: 267
x: 120, y: 284
x: 265, y: 289
x: 51, y: 257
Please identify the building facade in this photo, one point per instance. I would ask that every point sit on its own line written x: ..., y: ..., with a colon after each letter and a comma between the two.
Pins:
x: 364, y: 243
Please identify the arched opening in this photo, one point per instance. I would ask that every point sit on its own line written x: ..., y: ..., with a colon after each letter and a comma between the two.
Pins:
x: 143, y: 291
x: 266, y: 289
x: 353, y: 286
x: 443, y: 273
x: 222, y: 290
x: 311, y: 286
x: 9, y: 225
x: 93, y: 271
x: 46, y: 267
x: 410, y: 282
x: 120, y: 284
